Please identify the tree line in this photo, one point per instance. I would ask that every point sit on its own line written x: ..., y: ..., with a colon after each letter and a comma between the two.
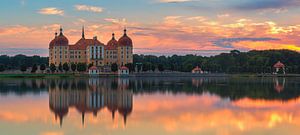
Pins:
x: 232, y: 62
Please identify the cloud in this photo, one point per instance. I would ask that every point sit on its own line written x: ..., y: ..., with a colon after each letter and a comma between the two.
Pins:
x: 88, y: 8
x: 227, y: 42
x: 174, y: 1
x: 51, y: 11
x: 267, y: 4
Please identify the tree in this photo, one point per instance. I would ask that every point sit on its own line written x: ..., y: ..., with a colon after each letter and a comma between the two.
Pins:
x: 90, y: 65
x: 52, y: 67
x: 2, y: 68
x: 23, y: 68
x: 66, y: 67
x: 114, y: 67
x: 73, y: 67
x: 34, y: 68
x: 42, y: 67
x: 161, y: 67
x: 146, y: 66
x: 81, y: 67
x: 130, y: 66
x: 60, y: 68
x: 153, y: 67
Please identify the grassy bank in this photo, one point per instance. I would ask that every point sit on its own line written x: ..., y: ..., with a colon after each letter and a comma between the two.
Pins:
x: 40, y: 75
x: 71, y: 75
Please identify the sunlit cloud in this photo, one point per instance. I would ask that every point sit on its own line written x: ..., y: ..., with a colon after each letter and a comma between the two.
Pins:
x: 88, y: 8
x: 51, y: 11
x: 173, y: 1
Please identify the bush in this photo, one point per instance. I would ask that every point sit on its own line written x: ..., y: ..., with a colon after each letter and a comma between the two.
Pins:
x: 23, y: 68
x: 60, y: 68
x: 73, y: 67
x: 34, y: 68
x: 81, y: 67
x: 52, y: 67
x: 161, y: 67
x: 42, y: 67
x: 114, y: 67
x: 2, y: 68
x: 66, y: 67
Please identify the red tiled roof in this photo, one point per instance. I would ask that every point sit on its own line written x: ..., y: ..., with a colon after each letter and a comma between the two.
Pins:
x: 83, y: 43
x: 125, y: 40
x: 93, y: 68
x: 279, y: 65
x: 124, y: 68
x: 197, y: 69
x: 112, y: 44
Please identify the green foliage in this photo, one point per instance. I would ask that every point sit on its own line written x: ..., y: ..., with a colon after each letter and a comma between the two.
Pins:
x: 153, y: 67
x: 114, y: 67
x: 66, y: 67
x: 52, y: 67
x: 42, y: 67
x: 232, y: 62
x: 34, y: 68
x: 146, y: 66
x: 130, y: 66
x: 90, y: 65
x: 14, y: 62
x: 73, y: 67
x: 81, y: 67
x: 2, y: 68
x: 60, y: 67
x: 161, y: 67
x: 23, y: 68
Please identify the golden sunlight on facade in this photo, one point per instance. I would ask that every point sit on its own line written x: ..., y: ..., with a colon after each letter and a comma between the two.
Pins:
x: 91, y: 51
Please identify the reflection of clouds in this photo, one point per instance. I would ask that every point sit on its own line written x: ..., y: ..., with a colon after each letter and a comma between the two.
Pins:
x: 164, y: 104
x: 11, y: 116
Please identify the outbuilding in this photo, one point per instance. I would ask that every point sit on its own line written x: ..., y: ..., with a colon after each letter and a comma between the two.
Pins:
x: 94, y: 70
x: 123, y: 70
x: 197, y: 70
x: 278, y: 66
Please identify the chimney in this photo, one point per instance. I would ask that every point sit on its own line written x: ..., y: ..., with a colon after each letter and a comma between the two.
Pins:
x: 95, y: 38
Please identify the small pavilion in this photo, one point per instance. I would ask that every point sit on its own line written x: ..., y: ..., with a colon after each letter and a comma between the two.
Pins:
x: 93, y: 70
x: 197, y: 70
x: 123, y: 70
x: 279, y: 66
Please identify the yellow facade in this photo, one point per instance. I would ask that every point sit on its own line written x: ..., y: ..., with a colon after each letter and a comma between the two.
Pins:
x: 90, y: 51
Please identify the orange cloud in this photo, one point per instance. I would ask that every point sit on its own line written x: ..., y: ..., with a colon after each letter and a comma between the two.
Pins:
x: 51, y: 11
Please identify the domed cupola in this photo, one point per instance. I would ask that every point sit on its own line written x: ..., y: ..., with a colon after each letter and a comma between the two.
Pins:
x: 61, y: 40
x: 125, y: 40
x: 113, y: 41
x: 52, y: 43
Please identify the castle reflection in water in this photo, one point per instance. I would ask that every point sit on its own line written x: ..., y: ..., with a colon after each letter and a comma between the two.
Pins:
x: 90, y: 98
x: 93, y: 95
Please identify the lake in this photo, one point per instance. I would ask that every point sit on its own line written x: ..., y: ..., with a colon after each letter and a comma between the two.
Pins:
x: 150, y: 106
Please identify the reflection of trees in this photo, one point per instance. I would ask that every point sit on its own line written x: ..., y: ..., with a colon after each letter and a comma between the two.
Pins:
x: 232, y: 88
x: 22, y: 86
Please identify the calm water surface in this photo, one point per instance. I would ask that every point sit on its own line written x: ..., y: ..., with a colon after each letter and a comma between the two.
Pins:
x: 154, y: 106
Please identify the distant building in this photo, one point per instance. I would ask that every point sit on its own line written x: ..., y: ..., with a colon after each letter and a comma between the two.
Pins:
x: 94, y: 70
x: 123, y: 70
x: 197, y: 70
x: 279, y: 66
x: 91, y: 51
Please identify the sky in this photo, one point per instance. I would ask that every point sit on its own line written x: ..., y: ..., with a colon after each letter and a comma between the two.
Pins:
x: 158, y: 27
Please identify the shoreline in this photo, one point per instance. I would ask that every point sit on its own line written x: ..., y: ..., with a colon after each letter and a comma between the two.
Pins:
x: 167, y: 74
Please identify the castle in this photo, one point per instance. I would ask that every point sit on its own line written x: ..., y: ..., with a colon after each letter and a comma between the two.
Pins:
x: 91, y: 51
